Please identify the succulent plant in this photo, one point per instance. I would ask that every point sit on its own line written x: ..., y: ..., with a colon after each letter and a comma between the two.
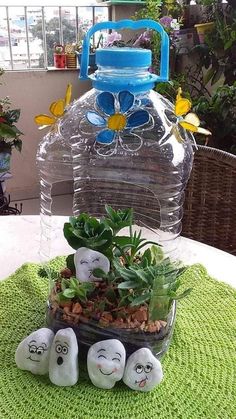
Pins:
x: 86, y: 231
x: 135, y: 278
x: 72, y: 288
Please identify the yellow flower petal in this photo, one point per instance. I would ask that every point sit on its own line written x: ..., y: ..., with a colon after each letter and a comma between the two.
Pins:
x: 192, y: 118
x: 57, y: 108
x: 179, y: 93
x: 44, y: 120
x: 188, y: 126
x: 203, y: 131
x: 182, y: 106
x: 68, y: 94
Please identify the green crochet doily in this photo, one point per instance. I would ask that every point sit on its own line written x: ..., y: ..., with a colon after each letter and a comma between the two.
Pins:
x: 199, y: 368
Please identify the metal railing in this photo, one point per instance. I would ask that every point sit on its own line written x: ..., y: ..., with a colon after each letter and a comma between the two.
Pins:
x: 27, y: 34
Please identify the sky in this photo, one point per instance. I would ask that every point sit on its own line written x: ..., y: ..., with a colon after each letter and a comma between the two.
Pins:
x: 48, y: 3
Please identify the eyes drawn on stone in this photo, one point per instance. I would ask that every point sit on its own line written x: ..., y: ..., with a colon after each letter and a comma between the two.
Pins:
x: 148, y: 368
x: 83, y: 261
x: 117, y: 359
x: 102, y: 356
x: 139, y: 368
x: 62, y: 349
x: 93, y: 261
x: 38, y: 350
x: 113, y: 359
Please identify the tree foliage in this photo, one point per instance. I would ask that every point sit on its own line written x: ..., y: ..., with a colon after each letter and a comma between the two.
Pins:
x: 52, y: 36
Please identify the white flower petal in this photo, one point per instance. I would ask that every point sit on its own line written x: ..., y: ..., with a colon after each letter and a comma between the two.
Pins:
x: 130, y: 141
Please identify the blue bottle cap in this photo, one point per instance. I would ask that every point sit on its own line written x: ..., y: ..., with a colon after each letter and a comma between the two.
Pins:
x: 123, y: 57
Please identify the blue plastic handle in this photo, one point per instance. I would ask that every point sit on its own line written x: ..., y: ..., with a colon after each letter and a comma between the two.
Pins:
x: 123, y: 24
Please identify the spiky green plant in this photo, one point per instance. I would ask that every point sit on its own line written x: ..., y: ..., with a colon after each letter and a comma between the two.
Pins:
x: 72, y: 288
x: 155, y: 284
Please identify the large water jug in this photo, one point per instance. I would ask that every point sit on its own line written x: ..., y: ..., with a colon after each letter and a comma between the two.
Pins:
x: 121, y: 143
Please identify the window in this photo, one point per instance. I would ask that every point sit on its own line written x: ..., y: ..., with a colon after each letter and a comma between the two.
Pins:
x: 28, y: 33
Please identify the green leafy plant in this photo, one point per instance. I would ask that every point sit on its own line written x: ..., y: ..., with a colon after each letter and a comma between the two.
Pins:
x: 155, y: 284
x: 139, y: 275
x: 92, y: 47
x: 46, y: 271
x: 72, y: 288
x: 218, y: 54
x: 218, y: 113
x: 172, y: 8
x: 59, y: 49
x: 130, y: 246
x: 9, y: 133
x: 119, y: 219
x: 86, y: 231
x: 152, y: 10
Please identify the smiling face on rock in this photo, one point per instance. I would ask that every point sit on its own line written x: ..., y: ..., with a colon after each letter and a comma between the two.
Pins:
x: 33, y: 352
x: 143, y: 371
x: 86, y: 260
x: 106, y: 363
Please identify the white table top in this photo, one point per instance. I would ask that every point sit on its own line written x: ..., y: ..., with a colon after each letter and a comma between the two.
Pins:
x: 20, y: 239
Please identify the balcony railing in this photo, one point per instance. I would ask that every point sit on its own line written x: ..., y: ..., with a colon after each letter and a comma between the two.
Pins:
x: 28, y: 34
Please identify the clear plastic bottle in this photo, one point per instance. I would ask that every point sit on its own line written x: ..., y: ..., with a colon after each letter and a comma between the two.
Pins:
x: 146, y: 169
x: 145, y: 166
x: 55, y: 165
x: 122, y: 145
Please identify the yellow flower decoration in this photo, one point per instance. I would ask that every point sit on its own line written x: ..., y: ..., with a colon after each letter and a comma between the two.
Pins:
x: 190, y: 121
x: 57, y: 110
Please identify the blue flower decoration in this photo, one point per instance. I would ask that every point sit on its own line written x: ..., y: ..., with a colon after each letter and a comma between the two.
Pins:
x: 118, y: 120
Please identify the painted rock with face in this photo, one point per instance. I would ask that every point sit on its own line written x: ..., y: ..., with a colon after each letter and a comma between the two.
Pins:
x: 106, y: 363
x: 63, y: 361
x: 33, y: 352
x: 86, y: 260
x: 143, y: 371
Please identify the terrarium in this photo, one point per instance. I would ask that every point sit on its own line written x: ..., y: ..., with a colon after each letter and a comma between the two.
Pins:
x: 129, y: 152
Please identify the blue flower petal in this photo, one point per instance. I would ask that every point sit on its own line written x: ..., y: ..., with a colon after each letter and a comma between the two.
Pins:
x: 95, y: 119
x: 126, y: 100
x: 106, y: 102
x: 137, y: 119
x: 106, y: 136
x: 146, y: 102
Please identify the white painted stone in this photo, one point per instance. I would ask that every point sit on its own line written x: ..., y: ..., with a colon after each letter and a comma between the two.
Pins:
x: 106, y: 363
x: 143, y: 371
x: 63, y: 362
x: 86, y: 260
x: 33, y: 352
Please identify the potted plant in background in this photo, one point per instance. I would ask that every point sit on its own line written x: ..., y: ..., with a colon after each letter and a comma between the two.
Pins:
x: 169, y: 14
x: 207, y: 16
x: 218, y: 114
x: 9, y: 133
x: 218, y: 55
x: 59, y: 56
x: 71, y: 59
x: 92, y: 49
x: 209, y: 78
x: 203, y: 29
x: 9, y: 139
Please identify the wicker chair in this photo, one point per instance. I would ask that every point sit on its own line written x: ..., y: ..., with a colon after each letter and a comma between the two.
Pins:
x: 210, y: 200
